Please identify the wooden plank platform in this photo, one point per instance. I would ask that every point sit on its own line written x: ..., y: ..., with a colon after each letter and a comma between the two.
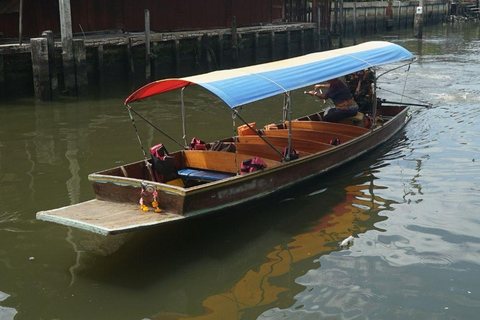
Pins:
x: 106, y: 218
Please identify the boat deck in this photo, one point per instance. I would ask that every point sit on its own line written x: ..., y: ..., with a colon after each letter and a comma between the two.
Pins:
x: 106, y: 218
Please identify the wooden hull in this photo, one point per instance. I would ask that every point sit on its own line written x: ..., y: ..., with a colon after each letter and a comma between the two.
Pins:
x: 176, y: 202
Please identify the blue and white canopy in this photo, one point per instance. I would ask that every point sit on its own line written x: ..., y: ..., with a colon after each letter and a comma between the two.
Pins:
x: 244, y: 85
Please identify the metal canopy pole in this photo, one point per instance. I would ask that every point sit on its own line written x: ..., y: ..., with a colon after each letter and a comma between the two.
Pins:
x: 184, y: 125
x: 289, y: 110
x: 374, y: 107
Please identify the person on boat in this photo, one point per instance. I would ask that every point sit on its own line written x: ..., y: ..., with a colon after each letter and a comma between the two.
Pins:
x: 337, y: 91
x: 360, y: 85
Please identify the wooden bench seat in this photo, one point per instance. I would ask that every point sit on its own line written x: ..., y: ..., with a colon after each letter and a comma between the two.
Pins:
x: 282, y: 142
x: 311, y: 135
x: 263, y: 151
x: 332, y: 127
x: 219, y: 161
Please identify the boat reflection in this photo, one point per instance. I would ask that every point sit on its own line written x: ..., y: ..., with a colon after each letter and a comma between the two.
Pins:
x: 261, y: 288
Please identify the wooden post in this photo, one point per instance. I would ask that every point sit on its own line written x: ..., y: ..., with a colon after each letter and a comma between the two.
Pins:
x: 255, y: 47
x: 52, y: 66
x: 148, y: 65
x: 399, y: 13
x: 220, y: 50
x: 20, y: 23
x: 131, y: 65
x: 340, y: 26
x: 235, y: 57
x: 67, y: 46
x: 355, y: 23
x: 80, y: 55
x: 100, y: 66
x: 272, y: 46
x: 418, y: 24
x: 177, y: 58
x: 302, y: 42
x: 319, y: 29
x: 41, y: 77
x: 287, y: 44
x: 2, y: 77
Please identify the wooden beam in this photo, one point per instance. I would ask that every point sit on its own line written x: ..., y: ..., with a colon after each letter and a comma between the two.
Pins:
x: 67, y: 46
x: 52, y: 66
x: 148, y: 65
x: 41, y: 77
x: 81, y: 78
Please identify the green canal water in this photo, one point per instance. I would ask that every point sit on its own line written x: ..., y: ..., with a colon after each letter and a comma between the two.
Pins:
x: 412, y: 206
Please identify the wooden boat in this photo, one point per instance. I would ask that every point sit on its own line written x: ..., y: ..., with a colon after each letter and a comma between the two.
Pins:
x: 204, y: 181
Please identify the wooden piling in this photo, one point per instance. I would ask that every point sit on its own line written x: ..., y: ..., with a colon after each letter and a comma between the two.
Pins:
x: 20, y: 22
x: 355, y: 23
x: 302, y: 42
x: 418, y: 23
x: 2, y: 77
x: 235, y: 57
x: 272, y: 46
x: 178, y: 69
x: 287, y: 44
x: 220, y: 49
x: 52, y: 66
x: 131, y: 64
x: 256, y: 49
x: 100, y: 65
x: 81, y: 78
x: 148, y: 64
x: 67, y: 46
x: 41, y: 77
x: 340, y: 25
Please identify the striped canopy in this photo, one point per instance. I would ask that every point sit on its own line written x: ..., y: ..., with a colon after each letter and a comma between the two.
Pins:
x: 240, y: 86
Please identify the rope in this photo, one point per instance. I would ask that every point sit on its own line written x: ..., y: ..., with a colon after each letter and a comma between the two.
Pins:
x: 151, y: 124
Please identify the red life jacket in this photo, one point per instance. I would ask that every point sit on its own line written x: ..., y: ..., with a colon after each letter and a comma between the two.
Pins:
x: 251, y: 165
x: 163, y: 165
x: 197, y: 144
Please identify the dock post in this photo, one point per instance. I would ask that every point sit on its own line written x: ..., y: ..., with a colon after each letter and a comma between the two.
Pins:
x: 2, y: 77
x: 131, y: 65
x: 67, y: 46
x: 81, y: 78
x: 100, y: 66
x: 272, y: 46
x: 255, y: 47
x: 340, y: 25
x: 235, y: 57
x: 287, y: 44
x: 302, y: 42
x: 20, y: 22
x: 148, y: 65
x: 41, y: 77
x: 177, y: 57
x: 355, y: 23
x: 220, y: 50
x: 418, y: 24
x: 52, y: 66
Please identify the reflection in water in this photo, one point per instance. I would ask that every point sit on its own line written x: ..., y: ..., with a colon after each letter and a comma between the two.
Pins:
x: 261, y: 287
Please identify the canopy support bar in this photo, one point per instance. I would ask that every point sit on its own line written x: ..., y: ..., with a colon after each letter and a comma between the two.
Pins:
x: 148, y: 165
x: 184, y: 125
x: 289, y: 116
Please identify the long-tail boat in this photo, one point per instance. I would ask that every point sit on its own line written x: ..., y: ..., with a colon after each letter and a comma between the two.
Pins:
x: 207, y: 177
